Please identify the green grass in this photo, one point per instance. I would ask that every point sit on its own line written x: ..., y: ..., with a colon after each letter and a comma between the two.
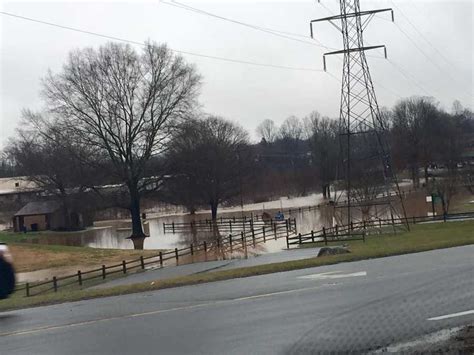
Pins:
x: 422, y: 237
x: 29, y: 256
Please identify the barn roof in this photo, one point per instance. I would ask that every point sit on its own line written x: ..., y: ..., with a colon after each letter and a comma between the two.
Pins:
x: 39, y: 207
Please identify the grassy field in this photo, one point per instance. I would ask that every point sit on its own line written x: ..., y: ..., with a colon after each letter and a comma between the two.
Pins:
x: 32, y: 257
x: 462, y: 204
x: 422, y: 237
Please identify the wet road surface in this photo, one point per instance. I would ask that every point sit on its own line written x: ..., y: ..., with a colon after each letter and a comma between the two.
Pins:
x: 358, y: 306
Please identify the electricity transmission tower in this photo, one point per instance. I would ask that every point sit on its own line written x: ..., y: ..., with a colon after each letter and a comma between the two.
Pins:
x: 370, y: 190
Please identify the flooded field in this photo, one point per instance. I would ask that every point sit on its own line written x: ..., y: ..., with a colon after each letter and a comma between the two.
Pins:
x: 113, y: 234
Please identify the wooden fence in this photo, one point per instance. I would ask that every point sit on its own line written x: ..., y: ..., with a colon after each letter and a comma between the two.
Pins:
x: 230, y: 225
x: 208, y: 250
x: 358, y: 230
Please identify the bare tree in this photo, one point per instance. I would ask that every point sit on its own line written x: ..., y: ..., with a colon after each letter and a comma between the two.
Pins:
x: 268, y: 131
x: 210, y: 159
x: 324, y: 144
x: 415, y: 123
x: 124, y: 104
x: 291, y: 129
x: 54, y: 163
x: 310, y: 124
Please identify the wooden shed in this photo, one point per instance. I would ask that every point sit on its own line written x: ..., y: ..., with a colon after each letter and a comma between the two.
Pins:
x: 38, y: 216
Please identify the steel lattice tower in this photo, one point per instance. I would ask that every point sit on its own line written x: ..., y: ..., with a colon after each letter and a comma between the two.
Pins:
x: 370, y: 190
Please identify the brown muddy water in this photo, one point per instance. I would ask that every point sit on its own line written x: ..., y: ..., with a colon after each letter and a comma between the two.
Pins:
x: 113, y: 234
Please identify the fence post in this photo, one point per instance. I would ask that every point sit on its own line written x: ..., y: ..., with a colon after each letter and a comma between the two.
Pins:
x: 325, y: 236
x: 142, y: 262
x: 287, y: 241
x: 337, y: 230
x: 230, y: 226
x: 312, y: 236
x: 172, y: 226
x: 294, y: 222
x: 253, y: 237
x: 380, y: 223
x: 286, y: 225
x: 103, y: 272
x: 55, y: 284
x: 27, y: 289
x: 299, y: 238
x: 364, y: 225
x: 164, y: 228
x: 161, y: 259
x: 352, y: 226
x: 230, y: 243
x: 205, y: 251
x: 192, y: 249
x: 124, y: 266
x: 275, y: 230
x: 176, y: 255
x: 79, y: 277
x: 264, y: 238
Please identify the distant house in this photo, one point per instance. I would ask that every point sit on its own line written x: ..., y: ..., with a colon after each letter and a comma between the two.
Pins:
x: 18, y: 188
x: 43, y: 215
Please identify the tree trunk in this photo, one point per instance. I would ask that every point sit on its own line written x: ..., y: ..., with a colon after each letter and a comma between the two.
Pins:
x: 214, y: 210
x: 137, y: 236
x: 66, y: 215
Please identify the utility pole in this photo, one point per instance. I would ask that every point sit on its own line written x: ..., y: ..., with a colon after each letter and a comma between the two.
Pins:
x: 365, y: 163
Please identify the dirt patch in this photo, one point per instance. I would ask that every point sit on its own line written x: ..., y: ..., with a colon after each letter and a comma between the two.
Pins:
x: 37, y: 257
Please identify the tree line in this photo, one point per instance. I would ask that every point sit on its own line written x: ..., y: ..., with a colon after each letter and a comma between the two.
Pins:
x: 119, y: 125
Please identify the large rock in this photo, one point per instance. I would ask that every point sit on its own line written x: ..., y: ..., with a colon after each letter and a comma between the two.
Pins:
x: 333, y: 250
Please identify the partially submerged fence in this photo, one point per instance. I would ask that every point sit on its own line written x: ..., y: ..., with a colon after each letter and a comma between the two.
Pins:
x: 220, y: 248
x: 359, y: 230
x: 226, y: 225
x: 224, y: 247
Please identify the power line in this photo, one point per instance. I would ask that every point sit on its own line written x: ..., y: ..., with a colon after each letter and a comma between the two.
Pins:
x: 441, y: 69
x: 225, y: 59
x: 422, y: 35
x: 278, y: 33
x: 340, y: 60
x: 404, y: 72
x: 427, y: 56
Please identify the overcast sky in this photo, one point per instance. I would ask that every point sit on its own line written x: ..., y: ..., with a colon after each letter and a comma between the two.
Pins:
x: 248, y: 93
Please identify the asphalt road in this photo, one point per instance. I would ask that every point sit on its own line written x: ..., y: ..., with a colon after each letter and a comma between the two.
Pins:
x: 158, y: 273
x: 353, y: 307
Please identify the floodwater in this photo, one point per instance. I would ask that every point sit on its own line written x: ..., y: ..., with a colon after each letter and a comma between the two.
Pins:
x: 113, y: 234
x: 111, y: 237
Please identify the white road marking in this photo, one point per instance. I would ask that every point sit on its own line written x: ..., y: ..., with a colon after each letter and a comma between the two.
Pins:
x: 333, y: 275
x: 142, y: 314
x: 453, y: 315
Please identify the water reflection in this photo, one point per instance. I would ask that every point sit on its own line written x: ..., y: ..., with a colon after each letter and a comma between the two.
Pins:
x: 113, y: 234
